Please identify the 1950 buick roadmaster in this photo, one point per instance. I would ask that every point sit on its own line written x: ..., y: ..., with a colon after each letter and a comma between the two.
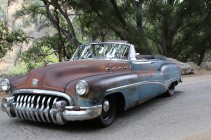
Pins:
x: 99, y: 80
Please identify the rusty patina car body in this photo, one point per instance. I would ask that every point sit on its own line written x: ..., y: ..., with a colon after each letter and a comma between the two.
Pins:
x: 100, y: 79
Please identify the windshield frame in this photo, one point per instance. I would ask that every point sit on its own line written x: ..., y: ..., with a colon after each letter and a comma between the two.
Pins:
x: 89, y: 45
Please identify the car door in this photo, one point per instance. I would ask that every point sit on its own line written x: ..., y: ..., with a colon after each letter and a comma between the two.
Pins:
x: 150, y: 78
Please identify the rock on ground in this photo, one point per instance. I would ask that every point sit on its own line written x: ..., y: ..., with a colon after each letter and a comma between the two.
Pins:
x: 185, y: 67
x: 206, y: 65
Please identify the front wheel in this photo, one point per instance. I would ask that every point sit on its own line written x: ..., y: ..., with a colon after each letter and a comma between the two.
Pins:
x: 108, y: 112
x: 171, y: 90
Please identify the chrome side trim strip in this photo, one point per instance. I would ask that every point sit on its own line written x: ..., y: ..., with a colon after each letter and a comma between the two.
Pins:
x: 163, y: 83
x: 136, y: 84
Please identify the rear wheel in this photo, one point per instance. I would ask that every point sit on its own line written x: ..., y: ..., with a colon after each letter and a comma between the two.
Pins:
x: 108, y: 112
x: 171, y: 90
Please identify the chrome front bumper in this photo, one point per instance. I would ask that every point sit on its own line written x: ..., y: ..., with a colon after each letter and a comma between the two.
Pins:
x: 58, y: 114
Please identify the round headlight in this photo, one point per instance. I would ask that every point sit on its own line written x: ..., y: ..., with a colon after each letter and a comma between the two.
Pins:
x: 82, y: 87
x: 5, y: 84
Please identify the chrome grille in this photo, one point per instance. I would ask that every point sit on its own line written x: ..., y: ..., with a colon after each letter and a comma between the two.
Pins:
x: 36, y: 107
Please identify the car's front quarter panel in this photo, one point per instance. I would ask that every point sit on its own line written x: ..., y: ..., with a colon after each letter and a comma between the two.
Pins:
x: 101, y: 86
x: 16, y: 82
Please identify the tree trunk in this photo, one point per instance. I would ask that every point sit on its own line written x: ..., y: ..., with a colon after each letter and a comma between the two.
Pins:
x: 201, y: 57
x: 167, y: 38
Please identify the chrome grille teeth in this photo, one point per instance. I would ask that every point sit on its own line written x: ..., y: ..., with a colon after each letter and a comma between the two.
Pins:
x: 31, y: 110
x: 23, y: 108
x: 16, y: 106
x: 20, y: 106
x: 28, y: 108
x: 37, y: 109
x: 52, y: 112
x: 46, y: 111
x: 41, y: 111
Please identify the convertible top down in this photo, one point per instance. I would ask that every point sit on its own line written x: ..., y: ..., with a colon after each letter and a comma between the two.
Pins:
x: 100, y: 79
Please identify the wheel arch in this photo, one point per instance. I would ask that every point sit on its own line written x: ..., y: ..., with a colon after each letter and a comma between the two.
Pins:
x: 120, y: 100
x: 174, y: 82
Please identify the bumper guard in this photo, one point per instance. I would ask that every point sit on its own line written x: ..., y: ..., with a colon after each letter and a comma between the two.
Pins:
x: 59, y: 113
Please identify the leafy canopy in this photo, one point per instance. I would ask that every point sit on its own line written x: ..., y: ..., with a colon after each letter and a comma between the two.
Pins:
x: 8, y: 38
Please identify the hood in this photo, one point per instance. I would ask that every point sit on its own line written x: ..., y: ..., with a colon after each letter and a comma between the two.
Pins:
x: 57, y: 76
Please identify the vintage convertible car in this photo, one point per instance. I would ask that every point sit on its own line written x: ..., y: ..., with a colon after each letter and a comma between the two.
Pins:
x: 100, y: 79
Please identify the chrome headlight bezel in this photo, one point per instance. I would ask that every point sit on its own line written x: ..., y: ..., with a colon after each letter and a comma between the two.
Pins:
x: 5, y: 84
x: 82, y: 87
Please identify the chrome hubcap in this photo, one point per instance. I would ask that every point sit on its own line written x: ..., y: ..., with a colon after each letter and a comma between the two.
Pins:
x: 106, y: 106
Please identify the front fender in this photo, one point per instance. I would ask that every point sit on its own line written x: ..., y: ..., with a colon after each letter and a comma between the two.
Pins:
x: 101, y: 86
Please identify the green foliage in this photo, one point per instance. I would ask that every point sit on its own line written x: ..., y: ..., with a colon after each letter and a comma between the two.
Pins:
x: 5, y: 43
x: 178, y: 29
x: 30, y: 10
x: 44, y: 50
x: 53, y: 15
x: 18, y: 69
x: 8, y: 38
x: 124, y: 18
x: 38, y: 54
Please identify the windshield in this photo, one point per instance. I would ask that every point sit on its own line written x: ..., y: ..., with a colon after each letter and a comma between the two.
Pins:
x: 102, y: 51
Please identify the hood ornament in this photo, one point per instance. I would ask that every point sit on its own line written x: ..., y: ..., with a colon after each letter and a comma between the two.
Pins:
x: 35, y: 82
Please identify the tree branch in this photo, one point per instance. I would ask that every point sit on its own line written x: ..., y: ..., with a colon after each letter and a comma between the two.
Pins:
x: 119, y: 16
x: 65, y: 15
x: 53, y: 20
x: 117, y: 31
x: 188, y: 35
x: 139, y: 20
